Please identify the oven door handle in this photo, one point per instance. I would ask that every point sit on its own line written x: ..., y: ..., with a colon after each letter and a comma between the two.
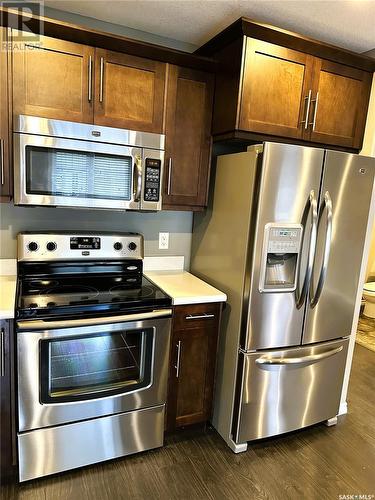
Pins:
x: 71, y: 323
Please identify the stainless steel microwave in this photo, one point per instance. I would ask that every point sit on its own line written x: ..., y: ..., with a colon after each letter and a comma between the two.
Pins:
x: 67, y: 164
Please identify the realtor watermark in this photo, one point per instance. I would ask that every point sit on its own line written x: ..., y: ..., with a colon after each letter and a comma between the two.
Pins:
x: 357, y: 497
x: 25, y: 20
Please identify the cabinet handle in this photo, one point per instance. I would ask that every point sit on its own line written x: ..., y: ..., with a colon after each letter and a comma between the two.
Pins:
x: 101, y: 79
x: 169, y: 175
x: 2, y: 356
x: 90, y: 80
x: 316, y: 101
x: 177, y: 365
x: 200, y: 316
x: 306, y: 120
x: 2, y: 161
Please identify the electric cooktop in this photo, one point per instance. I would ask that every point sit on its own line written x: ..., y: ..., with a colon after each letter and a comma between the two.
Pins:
x: 50, y: 296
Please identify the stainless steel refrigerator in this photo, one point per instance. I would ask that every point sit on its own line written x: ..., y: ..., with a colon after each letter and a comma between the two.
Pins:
x: 283, y: 237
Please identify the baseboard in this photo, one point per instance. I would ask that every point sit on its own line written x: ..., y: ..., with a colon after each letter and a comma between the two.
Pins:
x: 343, y: 409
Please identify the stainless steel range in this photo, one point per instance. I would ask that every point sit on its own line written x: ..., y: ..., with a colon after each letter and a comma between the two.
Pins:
x: 92, y: 351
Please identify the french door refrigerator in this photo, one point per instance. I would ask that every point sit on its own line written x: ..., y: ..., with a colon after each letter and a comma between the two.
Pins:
x: 283, y: 236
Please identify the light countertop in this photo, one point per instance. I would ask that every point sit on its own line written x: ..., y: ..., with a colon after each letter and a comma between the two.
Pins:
x: 181, y: 286
x: 184, y: 287
x: 8, y: 285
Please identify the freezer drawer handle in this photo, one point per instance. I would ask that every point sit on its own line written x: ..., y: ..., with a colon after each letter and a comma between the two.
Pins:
x: 327, y: 248
x: 312, y: 247
x: 48, y: 325
x: 200, y: 316
x: 265, y: 360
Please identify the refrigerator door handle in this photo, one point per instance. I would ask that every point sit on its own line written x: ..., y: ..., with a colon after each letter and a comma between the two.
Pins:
x: 266, y: 360
x: 327, y: 248
x: 300, y: 297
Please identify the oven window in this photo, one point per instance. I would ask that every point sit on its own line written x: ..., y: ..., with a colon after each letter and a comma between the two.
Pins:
x: 62, y: 172
x: 95, y: 366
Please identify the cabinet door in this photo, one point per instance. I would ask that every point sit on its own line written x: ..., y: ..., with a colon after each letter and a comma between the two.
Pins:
x: 192, y: 369
x: 129, y: 92
x: 188, y: 137
x: 5, y: 184
x: 6, y: 429
x: 275, y: 87
x: 53, y: 81
x: 340, y: 101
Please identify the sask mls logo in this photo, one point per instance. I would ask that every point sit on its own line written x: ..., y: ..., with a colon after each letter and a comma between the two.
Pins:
x: 23, y: 18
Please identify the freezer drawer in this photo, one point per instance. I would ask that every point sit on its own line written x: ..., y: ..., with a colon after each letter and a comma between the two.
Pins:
x: 289, y: 389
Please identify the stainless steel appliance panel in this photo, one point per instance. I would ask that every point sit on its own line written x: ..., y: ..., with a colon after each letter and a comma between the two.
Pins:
x: 33, y: 414
x: 343, y: 215
x: 63, y: 251
x: 87, y: 132
x: 290, y: 389
x: 289, y: 186
x: 23, y: 197
x: 45, y: 451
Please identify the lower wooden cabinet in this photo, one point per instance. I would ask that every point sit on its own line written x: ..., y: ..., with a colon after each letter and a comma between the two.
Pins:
x: 192, y: 364
x: 6, y: 407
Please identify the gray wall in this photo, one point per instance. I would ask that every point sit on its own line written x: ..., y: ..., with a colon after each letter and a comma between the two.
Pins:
x: 178, y: 224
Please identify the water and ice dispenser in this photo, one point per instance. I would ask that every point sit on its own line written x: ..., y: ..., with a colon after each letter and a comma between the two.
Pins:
x: 280, y: 257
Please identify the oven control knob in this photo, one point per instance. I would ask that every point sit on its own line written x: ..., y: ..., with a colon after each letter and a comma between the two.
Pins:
x: 33, y: 246
x: 117, y: 245
x: 132, y: 246
x: 51, y: 246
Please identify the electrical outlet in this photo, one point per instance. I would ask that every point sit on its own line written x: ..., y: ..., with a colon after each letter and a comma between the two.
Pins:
x: 163, y: 241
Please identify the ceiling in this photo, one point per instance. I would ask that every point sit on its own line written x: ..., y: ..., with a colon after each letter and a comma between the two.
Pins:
x: 347, y: 23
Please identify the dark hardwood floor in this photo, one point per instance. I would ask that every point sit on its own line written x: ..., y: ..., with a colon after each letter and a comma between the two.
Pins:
x: 317, y: 463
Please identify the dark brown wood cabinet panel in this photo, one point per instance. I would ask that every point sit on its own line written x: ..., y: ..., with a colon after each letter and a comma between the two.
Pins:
x: 196, y: 315
x: 6, y: 410
x: 192, y: 364
x: 275, y: 87
x: 340, y: 100
x: 188, y: 137
x: 129, y: 92
x: 5, y: 173
x: 52, y: 81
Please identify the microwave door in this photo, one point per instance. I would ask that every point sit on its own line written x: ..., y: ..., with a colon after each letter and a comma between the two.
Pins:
x: 152, y: 179
x: 80, y: 174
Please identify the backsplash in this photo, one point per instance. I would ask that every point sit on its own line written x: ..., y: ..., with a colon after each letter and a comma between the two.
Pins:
x: 16, y: 219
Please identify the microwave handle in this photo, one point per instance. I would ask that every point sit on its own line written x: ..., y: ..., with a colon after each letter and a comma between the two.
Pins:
x: 138, y: 178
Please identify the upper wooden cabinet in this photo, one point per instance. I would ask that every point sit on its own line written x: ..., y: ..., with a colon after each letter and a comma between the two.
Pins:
x: 340, y: 100
x: 276, y: 85
x: 188, y: 138
x: 53, y: 81
x: 129, y: 91
x: 5, y: 175
x: 69, y: 81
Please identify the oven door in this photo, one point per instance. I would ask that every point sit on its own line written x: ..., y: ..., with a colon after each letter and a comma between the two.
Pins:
x: 73, y: 173
x: 96, y: 367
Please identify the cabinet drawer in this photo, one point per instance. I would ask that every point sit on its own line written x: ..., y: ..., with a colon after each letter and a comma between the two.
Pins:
x: 196, y: 316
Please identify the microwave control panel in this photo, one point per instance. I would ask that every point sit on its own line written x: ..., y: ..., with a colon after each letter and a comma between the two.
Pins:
x: 152, y: 179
